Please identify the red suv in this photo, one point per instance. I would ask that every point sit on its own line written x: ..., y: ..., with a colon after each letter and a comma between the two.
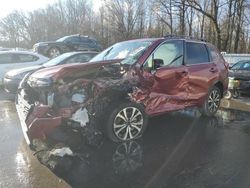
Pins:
x: 122, y: 86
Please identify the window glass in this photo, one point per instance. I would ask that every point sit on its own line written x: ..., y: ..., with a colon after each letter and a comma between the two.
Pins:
x: 214, y: 53
x: 22, y: 58
x: 171, y: 53
x: 57, y: 60
x: 241, y: 66
x: 72, y: 39
x: 196, y: 53
x: 86, y: 40
x: 80, y: 58
x: 5, y: 58
x: 130, y: 51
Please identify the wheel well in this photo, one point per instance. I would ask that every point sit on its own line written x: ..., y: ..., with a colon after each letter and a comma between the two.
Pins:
x: 220, y: 86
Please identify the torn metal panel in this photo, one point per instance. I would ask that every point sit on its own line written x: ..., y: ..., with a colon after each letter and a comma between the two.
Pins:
x: 81, y: 116
x: 61, y: 152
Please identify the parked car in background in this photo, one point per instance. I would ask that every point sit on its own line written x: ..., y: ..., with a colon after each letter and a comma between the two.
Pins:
x: 17, y: 59
x: 67, y: 44
x: 14, y: 77
x: 5, y: 49
x: 239, y: 73
x: 122, y: 86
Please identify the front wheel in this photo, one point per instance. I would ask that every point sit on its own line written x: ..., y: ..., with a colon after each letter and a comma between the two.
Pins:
x: 127, y: 122
x: 212, y: 102
x: 54, y: 52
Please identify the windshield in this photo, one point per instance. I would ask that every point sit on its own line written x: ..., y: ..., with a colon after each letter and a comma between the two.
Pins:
x: 241, y: 66
x: 57, y: 60
x: 62, y: 39
x: 130, y: 51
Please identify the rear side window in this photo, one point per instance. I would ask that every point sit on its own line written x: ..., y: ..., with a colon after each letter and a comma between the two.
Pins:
x: 86, y: 40
x: 5, y: 58
x: 196, y: 53
x: 214, y: 53
x: 73, y: 39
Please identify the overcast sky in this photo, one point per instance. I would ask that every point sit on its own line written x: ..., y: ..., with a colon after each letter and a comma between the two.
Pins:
x: 7, y: 6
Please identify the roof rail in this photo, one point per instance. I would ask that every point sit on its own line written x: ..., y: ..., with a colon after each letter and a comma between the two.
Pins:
x: 184, y: 37
x: 79, y: 35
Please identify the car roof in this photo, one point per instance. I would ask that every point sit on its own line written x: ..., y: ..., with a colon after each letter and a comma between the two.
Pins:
x: 170, y: 38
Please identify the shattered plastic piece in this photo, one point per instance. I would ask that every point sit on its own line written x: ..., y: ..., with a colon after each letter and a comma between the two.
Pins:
x: 81, y: 116
x: 79, y: 98
x: 62, y: 152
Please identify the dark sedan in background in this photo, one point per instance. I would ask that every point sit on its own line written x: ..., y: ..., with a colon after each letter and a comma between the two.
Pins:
x: 67, y: 44
x: 240, y: 72
x: 14, y: 77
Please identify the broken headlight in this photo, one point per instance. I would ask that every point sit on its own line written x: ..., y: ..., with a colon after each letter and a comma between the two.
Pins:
x: 50, y: 99
x: 39, y: 82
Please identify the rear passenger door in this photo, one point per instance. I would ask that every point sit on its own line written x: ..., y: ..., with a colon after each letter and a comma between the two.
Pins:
x: 202, y: 72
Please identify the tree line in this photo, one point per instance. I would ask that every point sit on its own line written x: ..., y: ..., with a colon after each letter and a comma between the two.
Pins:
x: 224, y: 23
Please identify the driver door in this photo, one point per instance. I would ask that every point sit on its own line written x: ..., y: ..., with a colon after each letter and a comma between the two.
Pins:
x: 169, y: 90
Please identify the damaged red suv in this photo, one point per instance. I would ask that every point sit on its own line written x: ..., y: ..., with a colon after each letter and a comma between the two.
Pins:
x: 121, y: 87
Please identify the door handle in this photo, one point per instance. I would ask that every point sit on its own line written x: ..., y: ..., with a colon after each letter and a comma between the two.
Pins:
x: 213, y: 69
x: 183, y: 73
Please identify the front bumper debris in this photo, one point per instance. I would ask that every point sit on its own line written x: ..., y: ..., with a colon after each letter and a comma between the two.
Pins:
x: 36, y: 122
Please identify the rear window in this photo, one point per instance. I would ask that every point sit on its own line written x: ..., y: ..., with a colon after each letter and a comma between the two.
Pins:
x: 196, y: 53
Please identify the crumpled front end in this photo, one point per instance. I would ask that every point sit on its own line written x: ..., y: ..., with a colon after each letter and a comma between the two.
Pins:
x: 41, y: 111
x: 73, y: 103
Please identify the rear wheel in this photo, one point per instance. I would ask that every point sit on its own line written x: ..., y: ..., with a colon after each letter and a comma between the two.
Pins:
x: 236, y: 94
x: 212, y: 102
x: 127, y: 122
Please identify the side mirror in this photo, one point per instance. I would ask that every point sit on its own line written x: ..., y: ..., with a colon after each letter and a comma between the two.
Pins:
x: 157, y: 63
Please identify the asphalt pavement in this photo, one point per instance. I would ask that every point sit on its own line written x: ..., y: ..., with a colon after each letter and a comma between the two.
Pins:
x: 178, y: 150
x: 18, y: 166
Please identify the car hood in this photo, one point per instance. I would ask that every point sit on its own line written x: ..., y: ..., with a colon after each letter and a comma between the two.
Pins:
x: 61, y: 71
x: 16, y: 72
x: 240, y: 74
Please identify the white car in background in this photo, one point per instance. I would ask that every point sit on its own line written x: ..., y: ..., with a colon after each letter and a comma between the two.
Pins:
x: 18, y: 59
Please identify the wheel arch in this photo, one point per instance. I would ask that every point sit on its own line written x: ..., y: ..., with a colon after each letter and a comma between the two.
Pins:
x: 219, y: 84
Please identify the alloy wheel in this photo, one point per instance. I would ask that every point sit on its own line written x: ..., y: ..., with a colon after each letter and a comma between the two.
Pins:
x: 54, y: 52
x: 213, y: 101
x: 128, y: 123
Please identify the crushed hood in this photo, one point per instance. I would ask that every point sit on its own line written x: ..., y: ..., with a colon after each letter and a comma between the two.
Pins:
x: 61, y: 71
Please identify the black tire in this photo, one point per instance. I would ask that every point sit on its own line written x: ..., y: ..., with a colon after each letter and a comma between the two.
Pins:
x: 236, y: 94
x: 212, y: 102
x: 54, y: 52
x: 130, y: 129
